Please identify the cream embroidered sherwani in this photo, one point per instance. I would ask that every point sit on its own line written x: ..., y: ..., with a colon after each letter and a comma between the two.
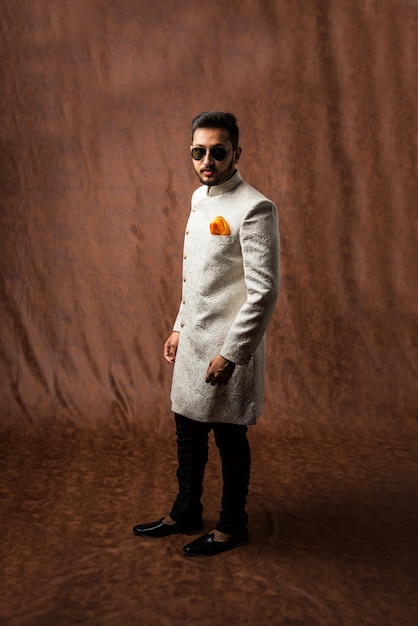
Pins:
x: 230, y: 287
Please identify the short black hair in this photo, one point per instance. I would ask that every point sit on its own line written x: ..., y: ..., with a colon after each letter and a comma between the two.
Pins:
x: 217, y: 119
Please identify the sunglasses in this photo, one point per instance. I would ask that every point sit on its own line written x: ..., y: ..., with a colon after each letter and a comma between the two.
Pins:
x: 218, y: 153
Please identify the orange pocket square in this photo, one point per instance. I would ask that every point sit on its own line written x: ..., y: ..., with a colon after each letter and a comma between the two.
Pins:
x: 219, y: 226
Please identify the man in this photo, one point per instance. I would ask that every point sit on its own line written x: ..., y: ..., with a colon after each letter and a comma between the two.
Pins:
x: 217, y: 346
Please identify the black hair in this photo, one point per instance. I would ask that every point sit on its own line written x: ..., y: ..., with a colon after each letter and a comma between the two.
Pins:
x: 218, y: 119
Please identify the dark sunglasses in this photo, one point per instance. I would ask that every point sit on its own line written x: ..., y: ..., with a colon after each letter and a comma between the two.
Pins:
x: 218, y: 153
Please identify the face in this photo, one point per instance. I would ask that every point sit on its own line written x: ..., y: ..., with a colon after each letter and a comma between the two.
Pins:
x: 210, y: 171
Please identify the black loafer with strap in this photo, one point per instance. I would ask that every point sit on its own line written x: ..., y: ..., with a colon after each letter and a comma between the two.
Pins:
x: 207, y: 546
x: 159, y: 529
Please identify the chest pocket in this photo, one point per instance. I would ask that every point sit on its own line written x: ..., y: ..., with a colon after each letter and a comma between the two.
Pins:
x: 222, y: 240
x: 223, y: 249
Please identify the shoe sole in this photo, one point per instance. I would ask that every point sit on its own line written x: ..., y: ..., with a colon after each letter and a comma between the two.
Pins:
x: 178, y: 532
x: 237, y: 545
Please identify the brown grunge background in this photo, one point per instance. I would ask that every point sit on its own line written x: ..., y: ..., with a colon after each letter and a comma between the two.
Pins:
x: 95, y: 180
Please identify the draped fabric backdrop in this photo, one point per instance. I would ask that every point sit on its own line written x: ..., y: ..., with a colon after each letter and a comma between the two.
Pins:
x: 97, y: 97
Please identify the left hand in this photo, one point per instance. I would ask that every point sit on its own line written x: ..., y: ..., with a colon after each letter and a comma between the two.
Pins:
x: 219, y: 371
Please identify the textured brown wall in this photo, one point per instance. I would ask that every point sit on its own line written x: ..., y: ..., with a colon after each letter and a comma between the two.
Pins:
x: 96, y: 101
x: 96, y: 98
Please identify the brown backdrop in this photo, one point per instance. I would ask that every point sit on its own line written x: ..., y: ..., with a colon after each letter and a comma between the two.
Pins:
x: 96, y: 102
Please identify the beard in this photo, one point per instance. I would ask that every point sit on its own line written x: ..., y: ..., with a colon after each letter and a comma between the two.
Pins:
x: 214, y: 177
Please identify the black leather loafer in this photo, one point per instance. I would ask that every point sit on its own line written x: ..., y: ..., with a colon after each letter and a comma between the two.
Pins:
x: 159, y: 529
x: 207, y: 546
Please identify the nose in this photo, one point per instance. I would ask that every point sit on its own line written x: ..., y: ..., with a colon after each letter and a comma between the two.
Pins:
x: 207, y: 159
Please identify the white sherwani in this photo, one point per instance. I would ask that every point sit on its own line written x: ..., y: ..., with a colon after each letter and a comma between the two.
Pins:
x: 230, y: 286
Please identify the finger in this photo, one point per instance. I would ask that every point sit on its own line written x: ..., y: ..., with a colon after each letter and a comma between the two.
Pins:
x: 169, y: 353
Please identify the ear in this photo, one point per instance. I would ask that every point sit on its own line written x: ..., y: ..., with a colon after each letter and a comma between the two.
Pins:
x: 237, y: 154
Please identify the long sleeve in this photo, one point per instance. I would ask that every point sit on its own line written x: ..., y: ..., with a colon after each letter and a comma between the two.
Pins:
x: 259, y: 238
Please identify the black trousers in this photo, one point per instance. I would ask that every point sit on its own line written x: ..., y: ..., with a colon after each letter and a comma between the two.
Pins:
x: 192, y: 448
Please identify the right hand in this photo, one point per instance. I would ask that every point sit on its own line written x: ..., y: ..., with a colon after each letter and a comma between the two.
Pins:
x: 170, y: 346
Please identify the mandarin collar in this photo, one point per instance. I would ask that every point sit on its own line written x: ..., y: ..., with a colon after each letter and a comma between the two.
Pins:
x: 228, y: 185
